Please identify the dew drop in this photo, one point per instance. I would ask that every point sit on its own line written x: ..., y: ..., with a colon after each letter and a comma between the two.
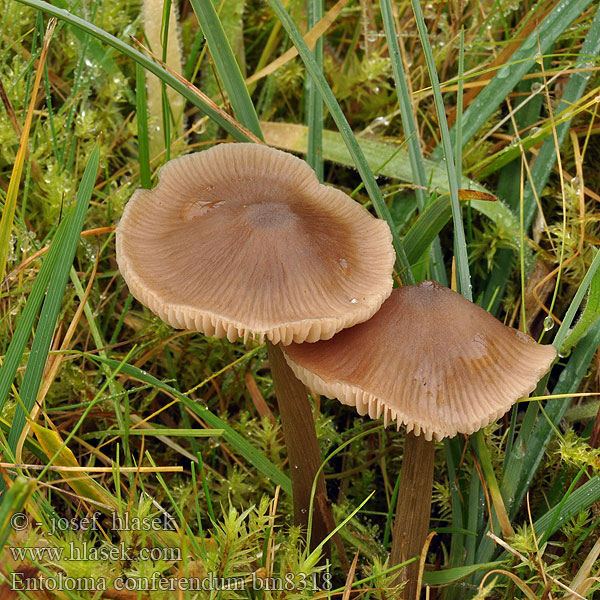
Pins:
x: 343, y: 263
x: 575, y: 181
x: 535, y: 131
x: 515, y: 141
x: 537, y: 87
x: 503, y: 73
x: 372, y: 36
x: 548, y: 323
x: 353, y: 301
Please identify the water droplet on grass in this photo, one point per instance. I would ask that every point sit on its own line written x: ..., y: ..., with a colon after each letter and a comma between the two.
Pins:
x: 548, y: 323
x: 537, y: 87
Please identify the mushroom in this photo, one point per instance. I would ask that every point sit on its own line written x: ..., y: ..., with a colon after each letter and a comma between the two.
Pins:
x: 435, y: 362
x: 242, y: 240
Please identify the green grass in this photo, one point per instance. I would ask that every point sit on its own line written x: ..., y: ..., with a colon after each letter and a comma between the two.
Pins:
x: 138, y: 419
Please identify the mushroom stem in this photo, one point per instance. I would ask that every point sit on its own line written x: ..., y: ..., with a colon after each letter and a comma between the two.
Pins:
x: 413, y: 509
x: 302, y: 447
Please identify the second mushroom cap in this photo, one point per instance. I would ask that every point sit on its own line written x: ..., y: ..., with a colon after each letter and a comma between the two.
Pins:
x: 429, y: 359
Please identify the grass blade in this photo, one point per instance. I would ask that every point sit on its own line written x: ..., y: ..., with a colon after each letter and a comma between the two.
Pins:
x: 426, y: 228
x: 460, y: 245
x: 411, y: 133
x: 83, y: 485
x: 54, y: 298
x: 447, y: 576
x: 314, y: 103
x: 590, y: 282
x: 226, y: 65
x: 142, y: 128
x: 408, y: 120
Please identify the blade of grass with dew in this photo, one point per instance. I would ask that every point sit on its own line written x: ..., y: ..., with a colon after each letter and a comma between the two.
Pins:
x: 27, y: 318
x: 244, y: 448
x: 568, y: 383
x: 573, y: 92
x: 507, y: 77
x: 546, y: 159
x: 358, y: 158
x: 460, y: 245
x: 314, y: 102
x: 139, y: 58
x: 411, y: 133
x: 509, y: 177
x: 98, y: 53
x: 226, y: 65
x: 53, y: 301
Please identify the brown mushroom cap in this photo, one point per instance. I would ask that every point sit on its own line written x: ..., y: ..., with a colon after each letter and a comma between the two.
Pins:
x: 242, y: 240
x: 429, y: 359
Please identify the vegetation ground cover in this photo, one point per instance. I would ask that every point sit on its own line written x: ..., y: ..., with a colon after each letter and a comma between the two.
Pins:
x: 108, y: 413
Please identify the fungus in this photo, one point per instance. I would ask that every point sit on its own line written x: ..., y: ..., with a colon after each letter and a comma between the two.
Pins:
x: 242, y: 240
x: 435, y: 362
